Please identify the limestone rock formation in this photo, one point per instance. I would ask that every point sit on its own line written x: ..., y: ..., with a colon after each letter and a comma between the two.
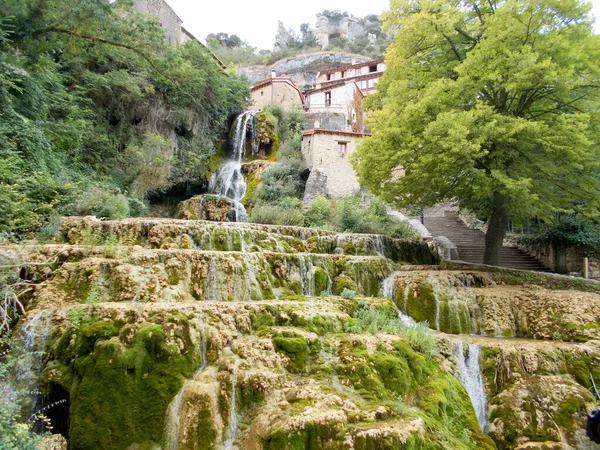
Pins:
x: 338, y: 26
x: 302, y: 69
x: 162, y: 333
x: 315, y: 185
x: 283, y: 36
x: 207, y: 207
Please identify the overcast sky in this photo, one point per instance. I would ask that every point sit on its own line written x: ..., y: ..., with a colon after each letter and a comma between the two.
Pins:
x: 255, y: 21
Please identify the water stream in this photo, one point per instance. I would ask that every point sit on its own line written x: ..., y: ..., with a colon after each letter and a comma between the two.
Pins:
x: 229, y: 181
x: 233, y: 409
x: 388, y: 291
x: 471, y: 379
x: 34, y: 336
x: 173, y: 425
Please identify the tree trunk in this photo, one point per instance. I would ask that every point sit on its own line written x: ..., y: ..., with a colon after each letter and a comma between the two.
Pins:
x: 496, y: 230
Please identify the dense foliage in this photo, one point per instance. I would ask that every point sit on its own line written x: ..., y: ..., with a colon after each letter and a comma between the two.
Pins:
x: 97, y: 111
x: 568, y: 230
x: 495, y: 104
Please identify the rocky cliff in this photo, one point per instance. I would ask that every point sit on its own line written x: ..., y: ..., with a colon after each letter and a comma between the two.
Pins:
x: 303, y: 68
x: 198, y: 335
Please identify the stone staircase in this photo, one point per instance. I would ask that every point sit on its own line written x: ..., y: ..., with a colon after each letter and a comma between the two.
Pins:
x: 471, y: 243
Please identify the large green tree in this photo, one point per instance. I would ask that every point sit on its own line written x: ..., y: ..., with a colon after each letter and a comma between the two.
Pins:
x: 491, y: 103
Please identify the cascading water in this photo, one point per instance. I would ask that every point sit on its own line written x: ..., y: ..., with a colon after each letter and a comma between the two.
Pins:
x: 229, y: 181
x: 388, y: 291
x: 211, y: 281
x: 378, y: 245
x: 471, y: 379
x: 233, y: 409
x: 173, y: 425
x: 34, y: 338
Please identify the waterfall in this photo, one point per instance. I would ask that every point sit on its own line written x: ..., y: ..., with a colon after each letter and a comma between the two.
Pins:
x: 388, y: 291
x: 211, y: 281
x: 307, y: 273
x: 232, y: 411
x: 471, y: 379
x: 34, y: 338
x: 378, y: 245
x: 173, y: 425
x: 229, y: 181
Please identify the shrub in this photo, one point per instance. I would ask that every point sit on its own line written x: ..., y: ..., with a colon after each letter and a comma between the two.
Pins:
x: 319, y: 213
x: 282, y: 180
x: 276, y: 215
x: 348, y: 293
x: 137, y: 207
x: 147, y: 167
x: 291, y: 203
x: 349, y: 215
x: 288, y: 151
x: 102, y: 203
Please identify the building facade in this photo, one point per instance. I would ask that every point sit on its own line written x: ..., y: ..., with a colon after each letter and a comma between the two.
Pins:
x: 326, y: 153
x: 336, y: 125
x: 279, y: 91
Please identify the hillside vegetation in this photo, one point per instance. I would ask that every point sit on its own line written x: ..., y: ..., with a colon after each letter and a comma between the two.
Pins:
x: 97, y: 112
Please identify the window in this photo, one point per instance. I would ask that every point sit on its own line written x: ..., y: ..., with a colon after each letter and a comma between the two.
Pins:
x: 367, y: 84
x: 329, y: 77
x: 342, y: 148
x: 328, y: 98
x: 343, y: 74
x: 373, y: 68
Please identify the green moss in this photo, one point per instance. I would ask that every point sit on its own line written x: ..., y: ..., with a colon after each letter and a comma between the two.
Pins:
x: 343, y: 282
x: 350, y: 249
x: 582, y: 367
x: 252, y: 185
x: 296, y: 348
x: 314, y: 436
x: 120, y: 393
x: 565, y: 416
x: 92, y: 332
x: 203, y: 435
x: 321, y: 279
x: 261, y: 319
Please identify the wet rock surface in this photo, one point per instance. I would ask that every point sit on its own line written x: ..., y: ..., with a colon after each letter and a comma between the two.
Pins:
x: 188, y: 334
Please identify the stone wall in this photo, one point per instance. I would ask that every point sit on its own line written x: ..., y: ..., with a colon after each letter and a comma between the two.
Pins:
x: 320, y: 151
x: 326, y: 120
x: 574, y: 258
x: 277, y: 91
x: 169, y: 21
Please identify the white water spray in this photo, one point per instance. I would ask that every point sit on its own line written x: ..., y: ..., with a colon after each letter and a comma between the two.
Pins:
x: 471, y: 379
x: 229, y: 181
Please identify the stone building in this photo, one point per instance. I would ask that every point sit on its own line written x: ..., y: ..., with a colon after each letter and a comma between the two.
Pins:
x: 334, y: 118
x: 336, y: 124
x: 326, y: 153
x: 276, y: 91
x: 170, y: 22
